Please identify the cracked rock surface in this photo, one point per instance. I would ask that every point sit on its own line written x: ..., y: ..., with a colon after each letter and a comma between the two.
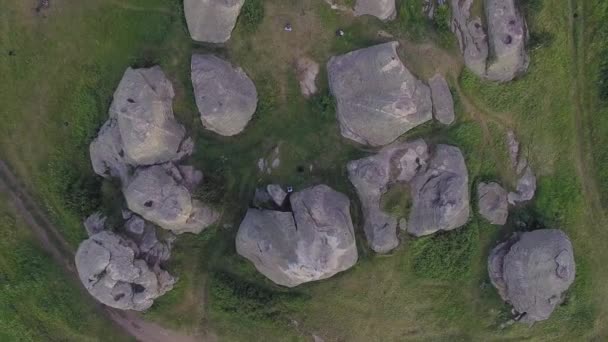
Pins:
x: 532, y: 270
x: 377, y: 98
x: 314, y: 241
x: 110, y: 269
x: 381, y: 9
x: 492, y: 200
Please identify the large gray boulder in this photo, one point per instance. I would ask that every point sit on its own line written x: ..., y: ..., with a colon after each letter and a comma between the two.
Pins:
x: 500, y: 55
x: 378, y: 99
x: 373, y: 176
x: 226, y: 98
x: 382, y: 9
x: 507, y: 33
x: 532, y: 270
x: 211, y: 21
x: 143, y: 109
x: 440, y: 195
x: 109, y: 267
x: 443, y: 103
x: 313, y: 242
x: 492, y: 200
x: 158, y: 195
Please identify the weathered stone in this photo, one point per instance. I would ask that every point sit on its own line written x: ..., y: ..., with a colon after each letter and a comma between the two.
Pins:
x: 107, y: 154
x: 314, y: 242
x: 373, y: 176
x: 191, y: 176
x: 381, y: 9
x: 211, y: 21
x: 225, y: 96
x: 378, y: 99
x: 532, y: 270
x: 95, y: 223
x: 143, y: 109
x: 443, y: 104
x: 470, y: 35
x: 507, y: 33
x: 493, y: 205
x: 307, y: 71
x: 155, y: 194
x: 112, y: 273
x: 526, y: 188
x: 440, y: 195
x: 277, y: 194
x: 135, y: 225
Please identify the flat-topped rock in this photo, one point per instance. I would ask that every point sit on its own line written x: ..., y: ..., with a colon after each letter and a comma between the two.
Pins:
x: 377, y: 98
x: 307, y: 71
x: 157, y: 194
x: 143, y: 108
x: 526, y: 187
x: 313, y: 242
x: 443, y: 103
x: 471, y: 36
x: 372, y: 176
x: 225, y: 96
x: 507, y: 34
x: 440, y: 195
x: 212, y: 21
x: 532, y: 270
x: 493, y: 205
x: 107, y: 154
x: 381, y: 9
x: 109, y: 268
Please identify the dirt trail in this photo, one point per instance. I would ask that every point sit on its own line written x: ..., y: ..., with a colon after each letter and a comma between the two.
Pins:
x: 51, y: 241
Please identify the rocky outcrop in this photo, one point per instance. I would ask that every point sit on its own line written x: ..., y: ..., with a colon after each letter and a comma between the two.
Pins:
x: 277, y: 194
x: 500, y: 55
x: 532, y: 270
x: 109, y: 267
x: 381, y: 9
x: 440, y: 195
x: 313, y: 242
x: 443, y: 104
x: 373, y: 176
x: 212, y: 21
x: 157, y: 194
x: 143, y: 108
x: 377, y: 98
x: 95, y: 223
x: 225, y: 96
x: 307, y: 71
x: 107, y: 154
x: 492, y: 200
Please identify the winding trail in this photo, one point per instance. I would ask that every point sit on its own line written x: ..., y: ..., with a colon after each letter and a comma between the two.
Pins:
x: 51, y: 241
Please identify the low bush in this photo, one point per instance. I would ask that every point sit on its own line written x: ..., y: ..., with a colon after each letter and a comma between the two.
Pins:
x: 252, y: 15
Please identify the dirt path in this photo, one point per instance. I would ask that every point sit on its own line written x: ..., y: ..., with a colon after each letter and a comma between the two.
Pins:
x: 51, y: 241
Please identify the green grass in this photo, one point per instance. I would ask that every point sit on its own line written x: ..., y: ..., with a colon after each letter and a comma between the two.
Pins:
x: 38, y: 302
x: 433, y: 288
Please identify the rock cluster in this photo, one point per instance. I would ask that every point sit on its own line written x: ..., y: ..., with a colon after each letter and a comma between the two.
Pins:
x: 212, y: 21
x: 141, y: 129
x: 438, y: 183
x: 314, y: 241
x: 115, y: 272
x: 139, y: 144
x: 500, y: 55
x: 381, y: 9
x: 532, y: 270
x: 225, y: 96
x: 377, y: 98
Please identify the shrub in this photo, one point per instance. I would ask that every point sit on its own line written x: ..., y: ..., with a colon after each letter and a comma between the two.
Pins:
x: 252, y: 15
x: 446, y: 256
x: 441, y: 20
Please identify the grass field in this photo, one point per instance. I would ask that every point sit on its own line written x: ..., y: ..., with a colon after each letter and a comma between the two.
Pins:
x: 58, y: 86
